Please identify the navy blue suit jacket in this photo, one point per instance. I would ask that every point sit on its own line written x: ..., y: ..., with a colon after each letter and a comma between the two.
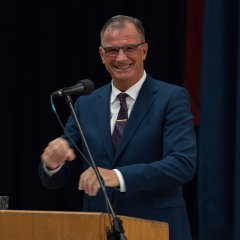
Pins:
x: 156, y: 155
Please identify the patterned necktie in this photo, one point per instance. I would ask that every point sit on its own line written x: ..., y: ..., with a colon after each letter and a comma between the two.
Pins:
x: 121, y: 120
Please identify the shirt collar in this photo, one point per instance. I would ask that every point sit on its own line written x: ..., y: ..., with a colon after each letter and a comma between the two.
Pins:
x: 132, y: 91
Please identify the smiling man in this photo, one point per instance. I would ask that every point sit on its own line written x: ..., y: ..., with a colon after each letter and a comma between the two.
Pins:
x: 123, y: 52
x: 140, y: 133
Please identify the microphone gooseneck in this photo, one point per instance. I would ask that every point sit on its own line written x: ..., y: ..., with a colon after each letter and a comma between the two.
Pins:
x: 116, y: 232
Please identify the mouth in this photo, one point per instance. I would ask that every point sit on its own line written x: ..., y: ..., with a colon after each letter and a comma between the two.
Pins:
x: 122, y: 68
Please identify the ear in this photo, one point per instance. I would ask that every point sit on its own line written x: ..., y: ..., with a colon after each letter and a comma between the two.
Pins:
x: 145, y: 50
x: 101, y: 51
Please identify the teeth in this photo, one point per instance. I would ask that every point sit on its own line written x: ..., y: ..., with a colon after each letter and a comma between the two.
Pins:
x: 124, y: 67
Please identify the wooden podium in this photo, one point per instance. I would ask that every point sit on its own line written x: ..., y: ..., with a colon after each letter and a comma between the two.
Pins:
x: 47, y: 225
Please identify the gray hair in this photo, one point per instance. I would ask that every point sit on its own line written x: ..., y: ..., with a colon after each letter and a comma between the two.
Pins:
x: 119, y: 21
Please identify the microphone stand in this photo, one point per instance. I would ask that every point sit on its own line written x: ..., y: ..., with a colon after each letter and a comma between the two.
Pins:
x: 117, y: 231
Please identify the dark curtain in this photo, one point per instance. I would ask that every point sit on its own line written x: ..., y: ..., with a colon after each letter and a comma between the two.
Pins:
x: 47, y: 45
x: 219, y: 130
x: 191, y: 81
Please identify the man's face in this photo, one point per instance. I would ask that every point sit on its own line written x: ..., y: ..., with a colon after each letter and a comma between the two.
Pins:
x: 125, y: 68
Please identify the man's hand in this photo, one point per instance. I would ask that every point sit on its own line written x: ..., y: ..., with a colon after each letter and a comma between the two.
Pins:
x: 88, y: 181
x: 56, y: 153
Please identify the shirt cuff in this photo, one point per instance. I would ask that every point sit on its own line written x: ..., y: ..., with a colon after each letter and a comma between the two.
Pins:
x: 121, y: 180
x: 50, y: 172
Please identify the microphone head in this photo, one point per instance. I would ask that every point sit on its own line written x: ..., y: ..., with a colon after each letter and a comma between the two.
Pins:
x: 89, y: 86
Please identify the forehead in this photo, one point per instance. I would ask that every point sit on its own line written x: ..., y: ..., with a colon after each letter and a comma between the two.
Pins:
x: 123, y: 33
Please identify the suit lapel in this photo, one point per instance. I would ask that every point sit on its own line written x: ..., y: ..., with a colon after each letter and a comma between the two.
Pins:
x: 142, y: 105
x: 103, y: 118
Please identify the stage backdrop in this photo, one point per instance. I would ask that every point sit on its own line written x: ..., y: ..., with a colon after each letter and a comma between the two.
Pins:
x: 49, y: 45
x: 219, y: 130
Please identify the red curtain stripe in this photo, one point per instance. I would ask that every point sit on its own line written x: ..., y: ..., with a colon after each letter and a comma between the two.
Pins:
x: 193, y: 51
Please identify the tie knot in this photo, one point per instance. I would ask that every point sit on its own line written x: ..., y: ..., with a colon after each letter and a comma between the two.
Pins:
x: 122, y: 97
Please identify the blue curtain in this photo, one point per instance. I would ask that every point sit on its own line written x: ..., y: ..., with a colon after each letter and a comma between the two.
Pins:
x: 219, y: 129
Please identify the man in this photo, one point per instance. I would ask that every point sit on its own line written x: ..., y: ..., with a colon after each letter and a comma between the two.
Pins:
x: 157, y: 151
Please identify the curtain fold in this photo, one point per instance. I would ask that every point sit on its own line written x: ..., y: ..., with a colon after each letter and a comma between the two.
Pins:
x: 193, y: 51
x: 219, y: 134
x: 237, y: 144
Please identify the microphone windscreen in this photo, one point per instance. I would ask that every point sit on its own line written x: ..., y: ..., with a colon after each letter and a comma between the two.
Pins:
x: 89, y: 86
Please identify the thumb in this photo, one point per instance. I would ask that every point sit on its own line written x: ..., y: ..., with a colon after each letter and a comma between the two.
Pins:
x: 70, y: 155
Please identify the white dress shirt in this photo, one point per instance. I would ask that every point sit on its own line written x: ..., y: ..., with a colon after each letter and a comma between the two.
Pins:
x: 132, y: 93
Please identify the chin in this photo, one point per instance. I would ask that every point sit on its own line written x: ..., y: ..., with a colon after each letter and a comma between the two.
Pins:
x: 123, y: 76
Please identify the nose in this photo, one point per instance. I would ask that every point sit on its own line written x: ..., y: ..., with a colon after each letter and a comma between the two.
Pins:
x: 121, y: 54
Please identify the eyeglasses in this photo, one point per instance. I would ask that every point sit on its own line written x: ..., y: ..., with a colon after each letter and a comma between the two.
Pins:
x: 128, y: 49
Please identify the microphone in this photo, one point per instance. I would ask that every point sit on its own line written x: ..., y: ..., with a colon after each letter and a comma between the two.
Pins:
x: 83, y: 87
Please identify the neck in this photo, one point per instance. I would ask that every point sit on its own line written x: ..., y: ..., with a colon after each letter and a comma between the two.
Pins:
x: 124, y: 85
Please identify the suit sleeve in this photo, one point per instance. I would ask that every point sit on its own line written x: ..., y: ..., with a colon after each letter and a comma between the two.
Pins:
x: 177, y: 164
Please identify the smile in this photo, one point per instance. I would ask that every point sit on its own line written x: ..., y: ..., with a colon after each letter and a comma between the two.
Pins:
x: 123, y: 67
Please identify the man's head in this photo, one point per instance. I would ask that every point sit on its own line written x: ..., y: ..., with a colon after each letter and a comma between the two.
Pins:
x: 123, y: 50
